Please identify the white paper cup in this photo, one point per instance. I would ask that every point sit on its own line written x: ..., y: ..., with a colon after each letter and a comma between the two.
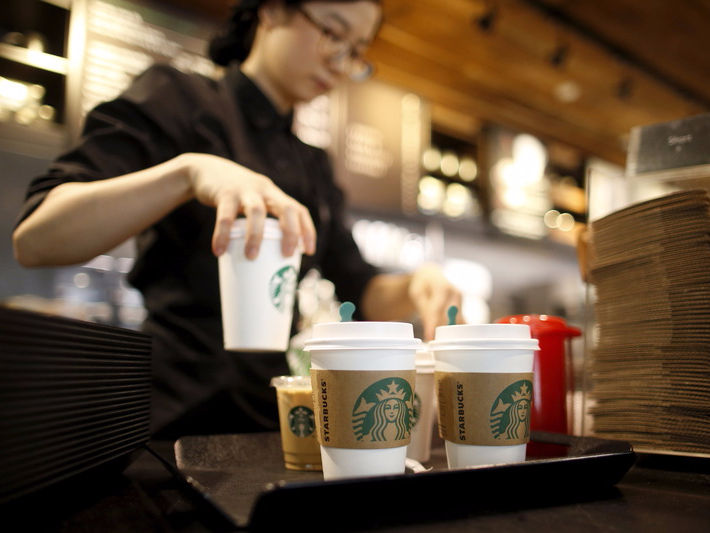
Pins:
x: 424, y: 408
x: 257, y: 295
x: 484, y: 388
x: 363, y: 377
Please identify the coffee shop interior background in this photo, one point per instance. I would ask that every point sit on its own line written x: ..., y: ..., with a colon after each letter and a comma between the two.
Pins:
x: 470, y: 148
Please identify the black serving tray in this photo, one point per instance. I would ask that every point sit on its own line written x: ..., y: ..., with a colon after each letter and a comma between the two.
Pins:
x: 240, y: 479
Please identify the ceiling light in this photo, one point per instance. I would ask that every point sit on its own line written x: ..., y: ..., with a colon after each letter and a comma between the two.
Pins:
x: 567, y: 91
x: 449, y: 163
x: 559, y: 56
x: 625, y: 89
x: 468, y: 169
x: 486, y: 21
x: 431, y: 159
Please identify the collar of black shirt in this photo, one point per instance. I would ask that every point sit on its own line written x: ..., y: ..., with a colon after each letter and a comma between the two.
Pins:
x: 255, y: 104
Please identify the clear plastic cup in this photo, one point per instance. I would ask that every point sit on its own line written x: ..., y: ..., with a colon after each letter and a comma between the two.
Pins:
x: 297, y: 422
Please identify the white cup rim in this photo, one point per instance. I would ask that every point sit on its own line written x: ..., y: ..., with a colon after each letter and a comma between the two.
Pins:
x: 359, y: 330
x: 484, y: 344
x: 382, y: 343
x: 272, y: 229
x: 467, y: 332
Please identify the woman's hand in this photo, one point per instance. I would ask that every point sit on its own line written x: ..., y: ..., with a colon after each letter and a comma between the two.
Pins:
x: 107, y: 212
x: 426, y: 291
x: 232, y: 190
x: 432, y: 295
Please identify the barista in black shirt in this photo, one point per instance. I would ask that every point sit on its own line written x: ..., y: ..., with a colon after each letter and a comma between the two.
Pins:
x: 176, y: 158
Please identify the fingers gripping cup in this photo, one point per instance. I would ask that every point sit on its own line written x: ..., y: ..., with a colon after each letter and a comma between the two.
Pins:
x: 363, y: 376
x: 297, y: 422
x: 257, y: 295
x: 484, y: 379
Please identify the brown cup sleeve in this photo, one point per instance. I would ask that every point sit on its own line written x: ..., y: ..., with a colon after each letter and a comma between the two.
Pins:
x: 484, y: 409
x: 363, y: 409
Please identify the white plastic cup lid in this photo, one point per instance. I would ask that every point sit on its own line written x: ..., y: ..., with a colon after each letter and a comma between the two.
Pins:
x: 363, y: 330
x: 483, y: 331
x: 362, y: 334
x: 501, y: 336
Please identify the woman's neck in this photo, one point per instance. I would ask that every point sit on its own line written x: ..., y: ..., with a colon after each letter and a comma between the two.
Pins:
x: 262, y: 81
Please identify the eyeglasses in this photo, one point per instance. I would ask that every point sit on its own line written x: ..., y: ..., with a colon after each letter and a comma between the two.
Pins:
x: 336, y: 48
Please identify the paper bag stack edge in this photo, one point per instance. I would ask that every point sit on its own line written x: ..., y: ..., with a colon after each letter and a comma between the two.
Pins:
x: 650, y: 363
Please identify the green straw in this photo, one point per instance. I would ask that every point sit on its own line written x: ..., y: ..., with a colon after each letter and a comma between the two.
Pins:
x: 451, y: 312
x: 346, y: 311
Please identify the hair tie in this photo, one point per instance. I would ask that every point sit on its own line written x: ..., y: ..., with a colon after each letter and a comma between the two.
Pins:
x: 234, y: 39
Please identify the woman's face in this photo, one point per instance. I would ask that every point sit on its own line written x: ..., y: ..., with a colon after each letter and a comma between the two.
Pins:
x: 288, y: 60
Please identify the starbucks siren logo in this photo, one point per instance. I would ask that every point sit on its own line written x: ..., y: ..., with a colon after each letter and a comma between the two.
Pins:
x: 282, y: 286
x: 510, y: 415
x: 383, y: 412
x: 301, y: 421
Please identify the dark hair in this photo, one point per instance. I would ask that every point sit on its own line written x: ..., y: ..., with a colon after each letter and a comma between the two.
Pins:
x: 234, y: 39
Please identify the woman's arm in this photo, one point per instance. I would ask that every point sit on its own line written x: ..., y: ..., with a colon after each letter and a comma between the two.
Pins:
x: 80, y: 220
x: 425, y: 291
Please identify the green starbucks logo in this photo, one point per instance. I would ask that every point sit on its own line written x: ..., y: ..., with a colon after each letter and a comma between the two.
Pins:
x: 301, y: 421
x: 383, y: 412
x: 282, y: 286
x: 510, y: 415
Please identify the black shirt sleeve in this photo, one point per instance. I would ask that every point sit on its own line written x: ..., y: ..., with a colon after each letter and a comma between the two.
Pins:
x: 138, y: 130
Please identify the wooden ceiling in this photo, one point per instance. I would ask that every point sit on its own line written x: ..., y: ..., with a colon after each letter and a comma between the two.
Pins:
x: 625, y: 63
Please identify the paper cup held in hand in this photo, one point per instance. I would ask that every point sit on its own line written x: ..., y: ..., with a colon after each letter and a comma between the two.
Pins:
x: 257, y: 295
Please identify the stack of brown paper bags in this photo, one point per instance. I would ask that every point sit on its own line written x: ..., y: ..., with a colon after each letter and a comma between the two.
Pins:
x: 650, y: 363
